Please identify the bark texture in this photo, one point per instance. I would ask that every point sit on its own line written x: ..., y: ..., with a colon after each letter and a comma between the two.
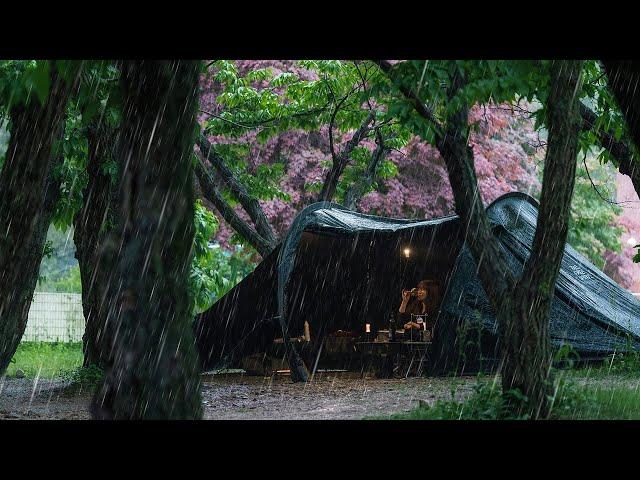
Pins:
x: 152, y: 370
x: 27, y: 200
x: 92, y: 223
x: 525, y: 310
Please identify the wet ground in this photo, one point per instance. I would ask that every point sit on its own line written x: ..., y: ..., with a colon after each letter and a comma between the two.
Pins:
x: 328, y: 396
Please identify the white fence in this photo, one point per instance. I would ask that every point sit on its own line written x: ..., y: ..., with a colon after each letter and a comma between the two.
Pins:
x: 55, y: 317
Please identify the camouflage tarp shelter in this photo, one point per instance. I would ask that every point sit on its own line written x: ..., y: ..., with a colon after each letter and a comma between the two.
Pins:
x: 339, y: 269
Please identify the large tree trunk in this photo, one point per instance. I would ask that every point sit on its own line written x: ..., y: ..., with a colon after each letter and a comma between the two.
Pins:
x: 92, y: 223
x: 27, y: 201
x: 152, y: 370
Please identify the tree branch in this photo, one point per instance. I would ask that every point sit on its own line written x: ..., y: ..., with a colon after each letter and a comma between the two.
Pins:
x: 360, y: 186
x: 211, y: 193
x: 618, y: 149
x: 341, y: 160
x: 419, y: 106
x: 248, y: 202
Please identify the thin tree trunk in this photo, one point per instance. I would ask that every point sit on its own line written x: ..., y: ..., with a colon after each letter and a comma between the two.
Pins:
x: 528, y: 357
x: 521, y: 306
x: 27, y: 200
x: 92, y: 223
x: 623, y: 80
x: 152, y: 371
x: 493, y: 269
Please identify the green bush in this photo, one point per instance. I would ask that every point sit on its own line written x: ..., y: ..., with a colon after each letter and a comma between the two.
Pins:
x: 70, y: 282
x: 626, y: 362
x: 86, y: 376
x: 214, y: 271
x: 486, y: 403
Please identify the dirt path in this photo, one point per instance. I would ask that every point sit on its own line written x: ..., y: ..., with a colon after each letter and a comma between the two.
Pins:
x: 44, y: 399
x: 329, y: 396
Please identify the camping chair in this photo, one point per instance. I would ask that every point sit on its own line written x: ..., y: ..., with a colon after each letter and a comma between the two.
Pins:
x: 421, y: 360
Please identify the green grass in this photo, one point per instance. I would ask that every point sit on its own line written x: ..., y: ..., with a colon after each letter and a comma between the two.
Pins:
x: 611, y: 403
x: 47, y: 360
x: 573, y: 401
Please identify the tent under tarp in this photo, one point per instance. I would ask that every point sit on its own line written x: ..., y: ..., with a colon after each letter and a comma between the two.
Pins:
x: 339, y: 269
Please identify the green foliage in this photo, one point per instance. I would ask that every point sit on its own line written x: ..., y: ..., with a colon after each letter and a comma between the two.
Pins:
x: 203, y: 279
x: 72, y: 172
x: 262, y: 182
x: 96, y: 102
x: 574, y: 401
x: 486, y: 81
x: 313, y: 95
x: 89, y: 376
x: 592, y: 228
x: 70, y: 282
x: 59, y: 268
x: 24, y: 81
x: 566, y: 356
x: 19, y: 79
x: 213, y: 270
x: 623, y: 363
x: 99, y: 96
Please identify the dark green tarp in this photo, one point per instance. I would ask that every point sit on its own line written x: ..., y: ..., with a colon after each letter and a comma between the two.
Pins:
x: 339, y: 269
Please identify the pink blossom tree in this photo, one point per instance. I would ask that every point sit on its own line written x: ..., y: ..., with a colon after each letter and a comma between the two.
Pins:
x: 507, y: 153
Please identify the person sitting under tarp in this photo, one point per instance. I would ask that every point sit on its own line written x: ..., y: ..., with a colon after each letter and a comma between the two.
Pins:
x: 416, y: 302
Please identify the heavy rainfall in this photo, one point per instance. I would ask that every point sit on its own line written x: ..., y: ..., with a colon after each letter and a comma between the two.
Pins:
x: 319, y: 239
